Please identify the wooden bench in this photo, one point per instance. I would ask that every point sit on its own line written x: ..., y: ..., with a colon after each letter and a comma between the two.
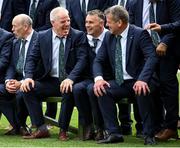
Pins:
x: 77, y: 130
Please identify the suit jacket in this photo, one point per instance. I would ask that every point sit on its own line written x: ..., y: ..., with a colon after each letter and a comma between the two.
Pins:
x: 167, y: 11
x: 77, y: 18
x: 115, y: 2
x: 140, y: 55
x: 11, y: 71
x: 75, y: 54
x: 6, y: 40
x: 42, y: 13
x: 7, y: 14
x: 171, y: 27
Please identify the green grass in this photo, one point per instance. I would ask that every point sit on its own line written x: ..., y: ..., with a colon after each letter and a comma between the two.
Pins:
x: 18, y: 141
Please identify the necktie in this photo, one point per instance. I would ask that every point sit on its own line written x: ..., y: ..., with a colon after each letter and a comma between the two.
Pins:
x: 118, y: 62
x: 61, y: 60
x: 32, y: 10
x: 95, y: 41
x: 154, y: 35
x: 122, y: 3
x: 20, y: 63
x: 83, y: 8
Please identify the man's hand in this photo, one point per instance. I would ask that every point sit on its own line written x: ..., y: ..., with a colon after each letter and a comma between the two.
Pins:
x: 12, y: 86
x: 99, y: 87
x: 66, y: 86
x: 161, y: 49
x: 141, y: 87
x: 27, y: 84
x: 154, y: 27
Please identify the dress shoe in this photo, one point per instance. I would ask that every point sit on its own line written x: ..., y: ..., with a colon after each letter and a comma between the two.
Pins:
x: 158, y: 134
x: 167, y: 134
x: 88, y: 133
x: 12, y: 132
x: 149, y: 140
x: 25, y: 130
x: 112, y: 138
x: 38, y: 134
x: 178, y: 124
x: 99, y: 135
x: 63, y: 136
x: 126, y: 129
x: 139, y: 134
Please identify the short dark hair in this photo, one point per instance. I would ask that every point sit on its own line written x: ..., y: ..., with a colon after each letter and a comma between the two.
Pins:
x: 118, y: 13
x: 97, y: 12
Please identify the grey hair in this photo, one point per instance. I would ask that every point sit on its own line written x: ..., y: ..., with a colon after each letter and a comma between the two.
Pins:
x: 118, y: 13
x: 97, y: 12
x: 54, y: 14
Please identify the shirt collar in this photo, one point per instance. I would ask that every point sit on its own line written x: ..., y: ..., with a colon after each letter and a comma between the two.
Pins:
x: 125, y: 32
x: 28, y: 39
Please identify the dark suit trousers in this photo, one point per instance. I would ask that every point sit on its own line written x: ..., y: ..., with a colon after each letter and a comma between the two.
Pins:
x: 46, y: 88
x: 108, y: 108
x: 82, y: 102
x: 8, y: 106
x: 97, y: 115
x: 169, y: 89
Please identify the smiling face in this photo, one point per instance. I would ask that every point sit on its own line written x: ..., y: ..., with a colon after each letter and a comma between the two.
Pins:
x: 114, y: 26
x: 94, y: 25
x: 61, y: 23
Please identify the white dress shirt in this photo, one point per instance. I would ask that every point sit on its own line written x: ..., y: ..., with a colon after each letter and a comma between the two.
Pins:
x: 126, y: 76
x: 55, y: 54
x: 1, y: 4
x: 101, y: 37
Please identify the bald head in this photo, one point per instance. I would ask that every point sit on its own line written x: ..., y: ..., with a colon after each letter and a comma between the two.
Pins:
x: 23, y: 19
x: 22, y: 25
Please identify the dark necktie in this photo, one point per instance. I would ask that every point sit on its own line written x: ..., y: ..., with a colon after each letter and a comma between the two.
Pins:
x: 21, y: 59
x: 95, y: 41
x: 118, y: 61
x: 154, y: 35
x: 61, y: 60
x: 32, y: 10
x: 83, y: 8
x: 122, y: 3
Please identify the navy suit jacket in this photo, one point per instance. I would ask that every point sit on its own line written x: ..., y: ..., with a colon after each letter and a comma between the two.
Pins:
x: 75, y: 54
x: 42, y: 14
x: 115, y: 2
x: 7, y: 15
x: 167, y: 11
x: 77, y: 18
x: 6, y: 40
x: 171, y: 27
x: 11, y: 71
x: 140, y: 55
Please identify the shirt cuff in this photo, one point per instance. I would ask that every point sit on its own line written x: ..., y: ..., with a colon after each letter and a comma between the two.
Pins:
x: 98, y: 78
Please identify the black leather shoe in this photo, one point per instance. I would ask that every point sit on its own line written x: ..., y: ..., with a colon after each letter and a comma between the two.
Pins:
x: 139, y: 134
x: 149, y: 141
x: 25, y: 131
x: 12, y: 132
x: 99, y: 135
x: 112, y: 138
x: 88, y: 133
x: 126, y: 129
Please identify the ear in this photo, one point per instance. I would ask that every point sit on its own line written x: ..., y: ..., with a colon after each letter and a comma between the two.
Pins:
x: 120, y: 23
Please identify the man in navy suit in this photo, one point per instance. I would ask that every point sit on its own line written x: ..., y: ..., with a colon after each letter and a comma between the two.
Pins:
x: 62, y: 51
x: 7, y: 104
x: 80, y: 8
x: 165, y: 11
x: 85, y: 100
x: 130, y: 53
x: 40, y: 14
x: 22, y: 28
